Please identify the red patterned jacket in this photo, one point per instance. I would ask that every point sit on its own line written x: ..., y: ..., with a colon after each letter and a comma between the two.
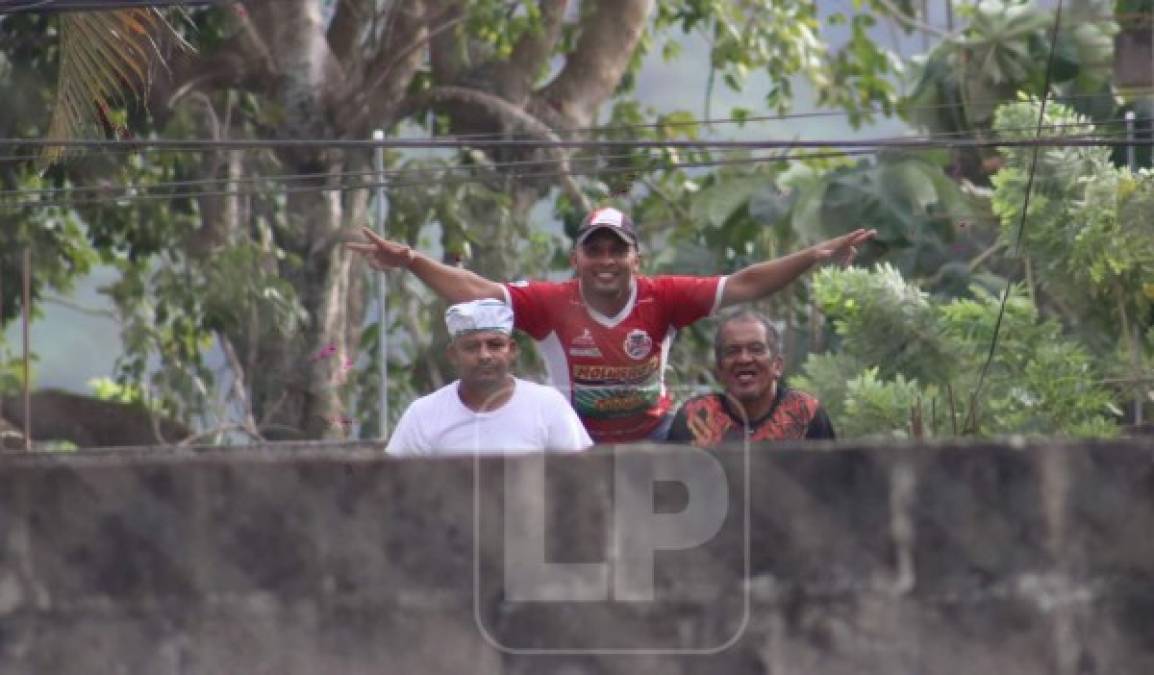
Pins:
x: 709, y: 420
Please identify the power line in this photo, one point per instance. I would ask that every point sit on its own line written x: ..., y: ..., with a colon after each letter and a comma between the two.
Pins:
x: 439, y: 143
x: 411, y: 172
x: 17, y: 6
x: 453, y: 180
x: 406, y: 173
x: 462, y: 140
x: 528, y: 138
x: 104, y: 190
x: 394, y: 173
x: 762, y: 119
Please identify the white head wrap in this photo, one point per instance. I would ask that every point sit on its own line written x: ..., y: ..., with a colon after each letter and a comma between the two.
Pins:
x: 487, y: 314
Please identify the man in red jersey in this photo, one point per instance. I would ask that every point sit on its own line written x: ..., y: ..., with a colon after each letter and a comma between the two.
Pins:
x: 605, y: 334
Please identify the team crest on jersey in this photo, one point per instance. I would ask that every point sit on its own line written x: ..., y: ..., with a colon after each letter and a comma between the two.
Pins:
x: 638, y: 344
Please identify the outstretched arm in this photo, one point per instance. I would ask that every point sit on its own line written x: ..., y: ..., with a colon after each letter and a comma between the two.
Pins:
x: 761, y: 279
x: 455, y: 284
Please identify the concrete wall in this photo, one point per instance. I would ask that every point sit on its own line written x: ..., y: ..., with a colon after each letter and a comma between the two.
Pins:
x: 951, y: 560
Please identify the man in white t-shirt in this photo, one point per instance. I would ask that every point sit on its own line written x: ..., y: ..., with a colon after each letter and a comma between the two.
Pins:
x: 487, y: 410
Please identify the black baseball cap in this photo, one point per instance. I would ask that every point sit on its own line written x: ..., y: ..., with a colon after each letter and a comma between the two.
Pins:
x: 608, y: 218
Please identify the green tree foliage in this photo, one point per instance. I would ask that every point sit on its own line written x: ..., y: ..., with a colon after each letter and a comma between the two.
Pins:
x: 1089, y: 238
x: 1005, y: 48
x: 918, y: 211
x: 784, y: 40
x: 106, y: 60
x: 900, y: 350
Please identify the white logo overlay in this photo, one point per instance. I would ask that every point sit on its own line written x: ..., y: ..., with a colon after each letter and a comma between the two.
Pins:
x: 601, y: 540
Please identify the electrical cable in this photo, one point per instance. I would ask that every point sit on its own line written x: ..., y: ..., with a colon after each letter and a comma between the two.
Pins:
x: 394, y: 173
x: 1061, y: 142
x: 579, y: 130
x: 20, y: 6
x: 972, y: 414
x: 120, y: 200
x: 438, y: 143
x: 457, y: 142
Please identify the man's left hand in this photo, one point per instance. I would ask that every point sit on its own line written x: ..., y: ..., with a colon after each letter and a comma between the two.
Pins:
x: 841, y: 250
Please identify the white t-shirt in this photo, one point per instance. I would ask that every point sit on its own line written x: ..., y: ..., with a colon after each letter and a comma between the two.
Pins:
x: 536, y: 418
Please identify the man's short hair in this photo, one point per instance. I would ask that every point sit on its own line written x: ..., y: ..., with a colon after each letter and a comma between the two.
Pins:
x: 772, y: 337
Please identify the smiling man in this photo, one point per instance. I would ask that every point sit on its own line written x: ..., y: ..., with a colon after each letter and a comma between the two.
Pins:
x: 755, y: 404
x: 487, y: 410
x: 605, y: 334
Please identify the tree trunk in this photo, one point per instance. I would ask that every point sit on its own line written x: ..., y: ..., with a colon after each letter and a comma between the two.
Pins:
x: 297, y: 380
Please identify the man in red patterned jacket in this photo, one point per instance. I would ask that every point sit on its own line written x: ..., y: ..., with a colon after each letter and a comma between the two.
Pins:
x: 755, y: 404
x: 605, y: 334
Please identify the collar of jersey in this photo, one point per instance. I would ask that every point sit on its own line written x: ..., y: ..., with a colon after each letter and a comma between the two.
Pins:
x: 611, y: 321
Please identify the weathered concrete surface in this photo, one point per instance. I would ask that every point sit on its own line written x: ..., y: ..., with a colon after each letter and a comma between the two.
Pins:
x: 948, y: 560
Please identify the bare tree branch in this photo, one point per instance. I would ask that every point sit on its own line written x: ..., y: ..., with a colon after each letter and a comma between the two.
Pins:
x: 445, y: 46
x: 393, y: 69
x: 76, y: 307
x: 240, y: 390
x: 243, y: 61
x: 515, y: 118
x: 682, y: 213
x: 191, y: 440
x: 898, y: 15
x: 312, y: 80
x: 344, y: 34
x: 253, y: 38
x: 515, y: 76
x: 609, y: 35
x: 215, y: 224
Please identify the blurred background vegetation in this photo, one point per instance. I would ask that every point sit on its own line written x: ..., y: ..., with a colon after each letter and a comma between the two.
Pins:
x: 240, y: 317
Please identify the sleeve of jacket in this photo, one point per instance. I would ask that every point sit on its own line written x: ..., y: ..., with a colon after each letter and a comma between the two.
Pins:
x: 679, y: 429
x: 819, y: 426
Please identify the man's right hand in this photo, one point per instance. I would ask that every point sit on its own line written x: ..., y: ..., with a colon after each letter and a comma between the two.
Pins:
x: 381, y: 253
x: 455, y: 284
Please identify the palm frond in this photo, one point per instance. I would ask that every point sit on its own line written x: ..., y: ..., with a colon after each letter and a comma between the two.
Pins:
x: 107, y: 58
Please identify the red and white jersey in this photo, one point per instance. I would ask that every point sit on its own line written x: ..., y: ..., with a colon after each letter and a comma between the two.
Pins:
x: 612, y: 368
